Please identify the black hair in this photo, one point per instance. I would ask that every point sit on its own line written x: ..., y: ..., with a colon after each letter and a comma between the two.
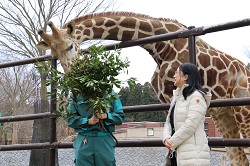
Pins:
x: 194, y: 80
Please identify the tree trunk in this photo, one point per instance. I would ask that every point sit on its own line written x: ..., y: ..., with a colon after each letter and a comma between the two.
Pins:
x: 15, y: 133
x: 41, y: 130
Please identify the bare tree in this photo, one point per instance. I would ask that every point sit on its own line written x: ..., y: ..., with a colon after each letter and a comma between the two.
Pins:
x: 19, y: 22
x: 247, y: 53
x: 17, y: 96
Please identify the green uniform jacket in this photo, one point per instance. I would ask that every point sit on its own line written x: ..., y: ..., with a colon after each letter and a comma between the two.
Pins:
x: 79, y: 119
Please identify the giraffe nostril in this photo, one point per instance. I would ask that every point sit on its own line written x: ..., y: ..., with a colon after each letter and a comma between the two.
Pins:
x: 40, y: 31
x: 50, y: 23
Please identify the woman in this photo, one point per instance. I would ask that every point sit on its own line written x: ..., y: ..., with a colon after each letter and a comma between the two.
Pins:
x: 183, y: 133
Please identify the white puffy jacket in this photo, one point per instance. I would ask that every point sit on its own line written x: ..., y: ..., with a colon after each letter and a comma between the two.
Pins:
x: 189, y: 139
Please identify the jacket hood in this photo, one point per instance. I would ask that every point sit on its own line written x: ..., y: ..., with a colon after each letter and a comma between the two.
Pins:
x: 208, y: 97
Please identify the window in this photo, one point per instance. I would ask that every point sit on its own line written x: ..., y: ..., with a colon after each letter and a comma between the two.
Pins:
x: 150, y: 132
x: 205, y: 126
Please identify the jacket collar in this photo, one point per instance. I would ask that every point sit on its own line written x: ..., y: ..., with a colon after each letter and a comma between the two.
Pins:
x: 178, y: 92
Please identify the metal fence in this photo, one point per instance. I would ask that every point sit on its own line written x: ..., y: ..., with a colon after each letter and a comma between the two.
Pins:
x: 53, y: 145
x: 4, y: 141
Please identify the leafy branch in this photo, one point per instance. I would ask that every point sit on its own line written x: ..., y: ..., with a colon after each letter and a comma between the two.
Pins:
x: 93, y: 77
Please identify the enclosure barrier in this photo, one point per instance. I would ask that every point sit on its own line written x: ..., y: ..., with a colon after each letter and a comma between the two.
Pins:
x: 191, y: 33
x: 213, y: 142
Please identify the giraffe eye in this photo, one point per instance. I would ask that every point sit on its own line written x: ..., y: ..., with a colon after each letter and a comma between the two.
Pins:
x: 70, y: 47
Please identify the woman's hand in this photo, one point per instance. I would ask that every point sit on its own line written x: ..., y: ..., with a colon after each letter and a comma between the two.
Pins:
x: 167, y: 143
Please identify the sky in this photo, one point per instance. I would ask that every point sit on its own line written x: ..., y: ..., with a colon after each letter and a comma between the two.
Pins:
x: 190, y: 13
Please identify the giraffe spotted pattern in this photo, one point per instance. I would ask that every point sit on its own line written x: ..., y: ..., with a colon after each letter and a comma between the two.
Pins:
x: 222, y: 75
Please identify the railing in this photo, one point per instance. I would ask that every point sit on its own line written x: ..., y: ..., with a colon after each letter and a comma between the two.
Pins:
x: 190, y: 34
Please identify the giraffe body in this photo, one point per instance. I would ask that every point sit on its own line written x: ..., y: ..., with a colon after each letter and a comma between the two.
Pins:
x: 222, y: 75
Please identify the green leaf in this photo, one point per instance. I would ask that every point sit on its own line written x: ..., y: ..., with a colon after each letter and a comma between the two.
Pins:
x: 93, y: 76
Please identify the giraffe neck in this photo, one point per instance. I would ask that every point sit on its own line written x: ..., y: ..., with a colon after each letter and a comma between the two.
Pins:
x: 167, y: 54
x: 127, y: 26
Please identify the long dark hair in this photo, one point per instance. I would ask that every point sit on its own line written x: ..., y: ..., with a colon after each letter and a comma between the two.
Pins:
x: 194, y: 80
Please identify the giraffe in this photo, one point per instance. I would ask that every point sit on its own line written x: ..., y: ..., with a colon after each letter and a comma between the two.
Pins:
x: 222, y: 75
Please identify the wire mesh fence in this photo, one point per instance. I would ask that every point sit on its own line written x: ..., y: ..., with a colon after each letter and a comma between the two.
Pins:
x: 136, y: 156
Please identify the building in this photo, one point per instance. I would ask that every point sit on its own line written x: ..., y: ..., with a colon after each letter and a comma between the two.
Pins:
x: 153, y: 130
x: 139, y: 130
x: 210, y: 128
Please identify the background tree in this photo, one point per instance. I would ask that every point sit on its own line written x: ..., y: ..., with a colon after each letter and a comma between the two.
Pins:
x: 17, y: 97
x: 247, y: 53
x: 20, y: 20
x: 141, y: 95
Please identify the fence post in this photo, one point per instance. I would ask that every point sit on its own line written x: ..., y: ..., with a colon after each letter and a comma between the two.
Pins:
x: 52, y: 159
x: 192, y: 47
x: 223, y: 161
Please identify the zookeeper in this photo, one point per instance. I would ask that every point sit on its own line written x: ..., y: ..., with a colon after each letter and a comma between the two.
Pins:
x: 94, y: 144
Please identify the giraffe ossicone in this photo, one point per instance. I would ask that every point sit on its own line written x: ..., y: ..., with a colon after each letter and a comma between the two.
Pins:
x: 223, y: 75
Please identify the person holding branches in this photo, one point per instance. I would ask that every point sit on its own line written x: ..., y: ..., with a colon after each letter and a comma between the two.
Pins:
x: 94, y: 144
x: 183, y: 132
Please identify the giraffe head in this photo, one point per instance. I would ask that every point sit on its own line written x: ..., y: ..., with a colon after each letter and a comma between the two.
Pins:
x: 62, y: 44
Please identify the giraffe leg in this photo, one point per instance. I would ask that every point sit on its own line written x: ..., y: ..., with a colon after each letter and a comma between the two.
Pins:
x: 242, y: 116
x: 227, y: 125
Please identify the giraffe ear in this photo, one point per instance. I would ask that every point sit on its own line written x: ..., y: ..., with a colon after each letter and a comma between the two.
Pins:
x: 71, y: 28
x: 42, y: 46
